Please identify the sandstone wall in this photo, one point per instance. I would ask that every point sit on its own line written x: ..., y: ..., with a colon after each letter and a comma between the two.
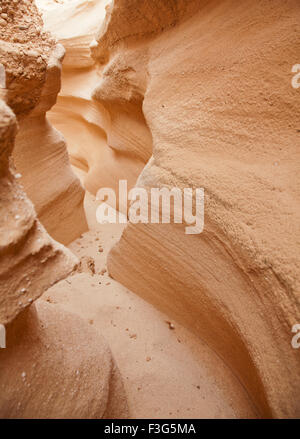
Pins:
x: 54, y: 365
x: 94, y: 147
x: 32, y: 62
x: 211, y: 80
x: 30, y: 261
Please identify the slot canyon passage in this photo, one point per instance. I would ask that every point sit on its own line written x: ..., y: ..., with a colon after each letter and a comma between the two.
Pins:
x: 143, y: 320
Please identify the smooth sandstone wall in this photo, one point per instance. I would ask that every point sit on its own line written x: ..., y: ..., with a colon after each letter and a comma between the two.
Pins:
x: 218, y: 101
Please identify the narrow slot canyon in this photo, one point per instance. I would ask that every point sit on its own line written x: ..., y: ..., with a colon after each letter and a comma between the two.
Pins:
x: 144, y: 320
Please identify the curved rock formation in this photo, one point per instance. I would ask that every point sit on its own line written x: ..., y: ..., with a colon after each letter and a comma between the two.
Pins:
x: 200, y: 92
x: 93, y: 146
x: 30, y: 261
x: 43, y: 373
x: 32, y: 63
x: 53, y: 376
x: 213, y: 81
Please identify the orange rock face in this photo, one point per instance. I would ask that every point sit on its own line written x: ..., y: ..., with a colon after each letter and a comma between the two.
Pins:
x: 41, y: 371
x: 214, y: 86
x: 95, y: 134
x: 30, y: 261
x: 185, y: 94
x: 32, y: 63
x: 53, y: 376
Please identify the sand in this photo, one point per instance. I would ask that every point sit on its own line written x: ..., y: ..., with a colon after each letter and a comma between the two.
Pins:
x: 167, y: 371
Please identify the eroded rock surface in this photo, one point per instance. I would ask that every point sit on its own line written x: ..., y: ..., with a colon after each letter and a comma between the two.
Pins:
x: 205, y: 88
x: 216, y: 94
x: 32, y: 63
x: 45, y: 374
x: 54, y: 365
x: 30, y: 261
x: 93, y: 145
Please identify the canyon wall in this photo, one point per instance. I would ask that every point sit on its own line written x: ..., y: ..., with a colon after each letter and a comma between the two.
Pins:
x: 43, y: 373
x: 30, y: 260
x: 93, y: 146
x: 209, y: 83
x: 32, y: 62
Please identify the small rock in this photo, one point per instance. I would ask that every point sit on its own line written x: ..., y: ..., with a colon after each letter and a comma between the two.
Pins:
x: 86, y: 265
x: 171, y: 326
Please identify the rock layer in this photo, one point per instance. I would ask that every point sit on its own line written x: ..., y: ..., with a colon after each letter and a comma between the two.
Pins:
x: 217, y: 97
x: 59, y: 200
x: 32, y: 62
x: 95, y: 134
x: 43, y: 372
x: 30, y: 261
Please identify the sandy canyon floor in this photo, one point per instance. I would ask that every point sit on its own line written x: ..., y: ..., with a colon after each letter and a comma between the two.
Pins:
x: 167, y: 371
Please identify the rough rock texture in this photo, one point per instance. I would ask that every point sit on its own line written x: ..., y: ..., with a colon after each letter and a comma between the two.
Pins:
x: 45, y: 374
x: 158, y: 358
x: 30, y: 261
x: 95, y: 135
x: 32, y: 62
x: 212, y: 80
x: 54, y: 365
